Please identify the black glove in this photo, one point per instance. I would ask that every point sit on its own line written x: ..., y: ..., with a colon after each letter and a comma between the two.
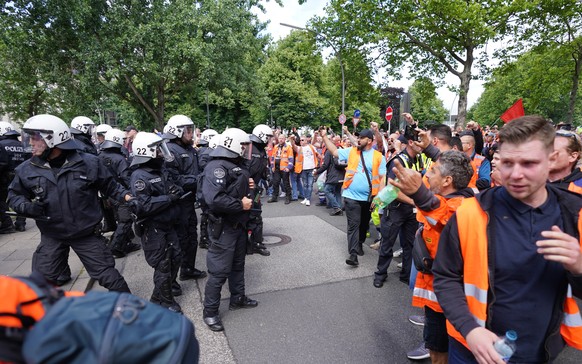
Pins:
x: 124, y: 212
x: 35, y: 208
x: 175, y: 192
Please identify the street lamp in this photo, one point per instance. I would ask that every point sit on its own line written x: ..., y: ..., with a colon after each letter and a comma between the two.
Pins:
x: 336, y: 53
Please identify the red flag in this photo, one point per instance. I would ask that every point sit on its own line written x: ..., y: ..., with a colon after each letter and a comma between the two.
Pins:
x: 515, y: 111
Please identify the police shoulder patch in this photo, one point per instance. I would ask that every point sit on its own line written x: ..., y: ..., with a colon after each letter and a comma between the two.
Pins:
x: 219, y: 173
x: 139, y: 185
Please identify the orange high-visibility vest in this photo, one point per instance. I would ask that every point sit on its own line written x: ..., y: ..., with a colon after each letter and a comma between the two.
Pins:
x: 300, y: 156
x: 472, y: 227
x: 352, y: 168
x: 434, y: 221
x: 476, y: 164
x: 286, y: 157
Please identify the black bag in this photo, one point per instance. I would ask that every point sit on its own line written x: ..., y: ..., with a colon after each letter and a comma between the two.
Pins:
x: 420, y: 255
x: 111, y: 327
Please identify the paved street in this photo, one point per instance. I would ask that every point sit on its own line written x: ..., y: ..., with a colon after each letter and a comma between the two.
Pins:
x: 313, y: 307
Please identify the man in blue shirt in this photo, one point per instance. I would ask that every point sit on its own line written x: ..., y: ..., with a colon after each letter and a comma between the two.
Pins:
x: 359, y: 187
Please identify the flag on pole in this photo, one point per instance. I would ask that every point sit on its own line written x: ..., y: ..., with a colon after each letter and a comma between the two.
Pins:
x: 515, y: 111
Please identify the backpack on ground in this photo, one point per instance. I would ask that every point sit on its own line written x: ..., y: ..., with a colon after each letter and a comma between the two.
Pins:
x: 111, y: 327
x: 25, y: 300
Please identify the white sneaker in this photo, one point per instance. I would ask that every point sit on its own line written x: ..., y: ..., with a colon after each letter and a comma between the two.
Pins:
x: 397, y: 253
x: 303, y: 202
x: 399, y: 265
x: 307, y: 203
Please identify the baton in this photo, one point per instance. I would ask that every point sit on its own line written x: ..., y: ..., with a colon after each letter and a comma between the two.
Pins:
x: 39, y: 218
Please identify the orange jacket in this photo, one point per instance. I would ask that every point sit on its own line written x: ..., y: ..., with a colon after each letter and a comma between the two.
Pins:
x: 286, y: 157
x: 472, y: 227
x: 434, y: 221
x: 352, y: 168
x: 299, y: 160
x: 476, y: 164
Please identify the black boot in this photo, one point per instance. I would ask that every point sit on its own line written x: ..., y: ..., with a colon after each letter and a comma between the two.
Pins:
x: 191, y: 273
x: 213, y: 321
x: 263, y: 251
x: 242, y: 302
x: 167, y: 298
x: 203, y: 242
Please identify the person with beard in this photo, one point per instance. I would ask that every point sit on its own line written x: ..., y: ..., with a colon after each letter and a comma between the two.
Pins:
x: 225, y: 186
x: 365, y: 177
x: 58, y: 188
x: 157, y: 211
x: 564, y: 170
x: 114, y: 161
x: 12, y: 154
x: 258, y: 167
x: 183, y: 171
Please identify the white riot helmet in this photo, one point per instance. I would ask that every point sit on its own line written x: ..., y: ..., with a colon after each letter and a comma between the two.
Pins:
x: 6, y: 129
x: 233, y: 143
x: 102, y: 128
x: 261, y: 134
x: 82, y: 125
x: 208, y: 134
x: 53, y: 130
x: 213, y: 142
x: 147, y: 146
x: 176, y: 126
x: 114, y: 138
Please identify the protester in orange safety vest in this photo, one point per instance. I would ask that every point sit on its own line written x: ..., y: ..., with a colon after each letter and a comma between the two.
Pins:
x: 481, y: 165
x: 510, y: 258
x: 564, y: 170
x: 448, y: 180
x: 307, y: 159
x: 281, y: 165
x: 364, y: 178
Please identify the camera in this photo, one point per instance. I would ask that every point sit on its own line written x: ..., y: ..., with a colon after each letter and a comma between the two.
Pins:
x: 411, y: 132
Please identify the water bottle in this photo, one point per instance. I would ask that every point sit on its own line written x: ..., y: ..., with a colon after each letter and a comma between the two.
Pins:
x: 386, y: 195
x: 505, y: 346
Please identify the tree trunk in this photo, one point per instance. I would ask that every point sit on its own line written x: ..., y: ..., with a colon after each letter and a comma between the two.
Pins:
x: 161, y: 106
x: 577, y: 56
x: 465, y: 77
x: 141, y: 99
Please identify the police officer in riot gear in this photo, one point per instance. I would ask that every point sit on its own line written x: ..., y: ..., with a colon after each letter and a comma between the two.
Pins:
x: 183, y: 171
x: 225, y: 188
x: 12, y: 154
x: 157, y: 212
x: 114, y: 161
x: 258, y: 167
x: 82, y: 129
x: 101, y: 130
x: 62, y: 184
x: 206, y: 144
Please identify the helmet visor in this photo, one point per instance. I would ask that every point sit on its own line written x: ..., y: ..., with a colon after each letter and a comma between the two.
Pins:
x: 162, y: 149
x: 246, y: 150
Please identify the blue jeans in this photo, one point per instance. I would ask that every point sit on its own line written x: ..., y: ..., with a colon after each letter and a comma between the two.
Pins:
x: 307, y: 180
x: 333, y: 193
x: 296, y: 187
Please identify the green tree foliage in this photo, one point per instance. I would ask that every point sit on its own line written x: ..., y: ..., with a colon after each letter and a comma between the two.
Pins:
x: 555, y: 24
x: 433, y: 36
x: 424, y: 103
x: 541, y: 77
x: 293, y: 78
x: 158, y: 56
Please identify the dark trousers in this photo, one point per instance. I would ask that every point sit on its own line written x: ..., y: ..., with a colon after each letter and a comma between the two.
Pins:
x: 187, y: 234
x: 278, y: 178
x: 358, y: 214
x: 333, y: 193
x: 123, y: 233
x: 93, y: 253
x: 255, y: 224
x: 225, y: 260
x: 204, y: 224
x: 396, y: 221
x: 162, y: 252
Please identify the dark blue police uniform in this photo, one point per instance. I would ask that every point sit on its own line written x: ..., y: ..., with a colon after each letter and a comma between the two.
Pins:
x: 225, y: 184
x: 12, y: 154
x: 68, y: 195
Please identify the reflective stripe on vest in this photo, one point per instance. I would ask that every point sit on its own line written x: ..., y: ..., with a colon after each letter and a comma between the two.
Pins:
x: 352, y: 169
x: 472, y: 228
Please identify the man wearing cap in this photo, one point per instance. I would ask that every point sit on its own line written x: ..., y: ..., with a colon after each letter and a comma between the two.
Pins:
x: 365, y: 177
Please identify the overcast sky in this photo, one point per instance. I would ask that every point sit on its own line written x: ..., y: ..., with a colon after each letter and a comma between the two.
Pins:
x: 295, y: 14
